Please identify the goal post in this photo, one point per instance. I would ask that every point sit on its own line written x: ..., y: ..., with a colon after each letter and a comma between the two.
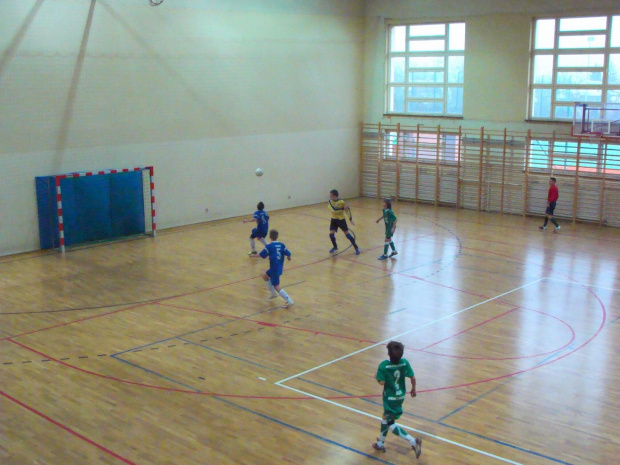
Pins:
x: 90, y: 206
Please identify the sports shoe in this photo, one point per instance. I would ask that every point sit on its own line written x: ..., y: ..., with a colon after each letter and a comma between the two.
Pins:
x: 333, y: 250
x: 417, y: 448
x: 383, y: 257
x: 542, y: 228
x: 273, y: 296
x: 393, y: 253
x: 357, y: 251
x: 557, y: 229
x: 378, y: 446
x: 253, y: 252
x: 288, y: 304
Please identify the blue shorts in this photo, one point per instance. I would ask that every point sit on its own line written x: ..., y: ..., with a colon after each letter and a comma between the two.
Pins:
x: 257, y: 233
x: 550, y: 209
x: 274, y: 277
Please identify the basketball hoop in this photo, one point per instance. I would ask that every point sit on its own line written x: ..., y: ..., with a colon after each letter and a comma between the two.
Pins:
x: 595, y: 137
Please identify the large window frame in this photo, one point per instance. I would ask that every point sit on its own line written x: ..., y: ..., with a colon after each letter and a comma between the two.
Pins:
x: 422, y: 147
x: 573, y: 59
x: 425, y: 66
x: 592, y: 157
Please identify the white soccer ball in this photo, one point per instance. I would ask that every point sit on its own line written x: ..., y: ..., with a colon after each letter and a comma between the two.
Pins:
x: 258, y: 172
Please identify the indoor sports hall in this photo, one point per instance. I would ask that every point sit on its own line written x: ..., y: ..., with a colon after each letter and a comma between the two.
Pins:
x: 137, y: 138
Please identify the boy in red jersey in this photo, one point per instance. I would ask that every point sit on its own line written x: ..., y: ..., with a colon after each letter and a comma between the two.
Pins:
x: 552, y: 198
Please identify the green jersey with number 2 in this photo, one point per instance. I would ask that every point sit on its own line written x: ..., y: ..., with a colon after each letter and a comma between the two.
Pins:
x: 395, y: 387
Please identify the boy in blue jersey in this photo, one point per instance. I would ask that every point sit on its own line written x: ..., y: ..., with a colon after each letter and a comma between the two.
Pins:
x: 276, y: 251
x: 262, y: 226
x: 391, y: 375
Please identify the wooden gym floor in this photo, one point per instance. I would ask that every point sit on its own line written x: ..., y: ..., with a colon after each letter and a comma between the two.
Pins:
x: 167, y: 350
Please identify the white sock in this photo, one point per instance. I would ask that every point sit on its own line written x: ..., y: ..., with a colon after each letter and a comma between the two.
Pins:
x: 262, y: 239
x: 270, y: 287
x: 381, y: 438
x: 398, y: 431
x: 284, y: 295
x: 252, y: 245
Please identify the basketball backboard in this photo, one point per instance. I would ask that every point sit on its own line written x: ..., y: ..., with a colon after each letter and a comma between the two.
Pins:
x: 596, y: 119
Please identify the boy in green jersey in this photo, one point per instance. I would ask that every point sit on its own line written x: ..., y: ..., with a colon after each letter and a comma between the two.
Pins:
x: 391, y: 375
x: 390, y: 226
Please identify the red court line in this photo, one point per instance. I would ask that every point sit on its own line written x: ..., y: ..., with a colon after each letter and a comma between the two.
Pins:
x: 462, y: 290
x: 264, y: 323
x: 363, y: 396
x: 135, y: 383
x: 508, y: 375
x: 491, y: 224
x: 468, y: 329
x: 335, y: 397
x: 153, y: 302
x: 77, y: 321
x: 461, y: 357
x: 66, y: 428
x: 529, y: 246
x: 535, y: 367
x: 164, y: 299
x: 421, y: 279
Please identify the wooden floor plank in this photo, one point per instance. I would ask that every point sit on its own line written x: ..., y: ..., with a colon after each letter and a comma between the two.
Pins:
x: 167, y: 350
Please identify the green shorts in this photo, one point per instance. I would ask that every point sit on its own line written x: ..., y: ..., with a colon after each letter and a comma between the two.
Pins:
x: 388, y: 232
x: 392, y: 409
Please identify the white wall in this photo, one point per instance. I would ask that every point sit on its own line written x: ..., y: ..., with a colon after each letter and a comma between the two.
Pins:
x: 204, y: 90
x: 496, y: 57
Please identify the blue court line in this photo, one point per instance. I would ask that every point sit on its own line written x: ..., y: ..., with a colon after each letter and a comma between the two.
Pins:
x: 229, y: 355
x: 262, y: 415
x: 496, y: 273
x: 425, y: 264
x: 370, y: 401
x: 387, y: 275
x: 196, y: 331
x: 484, y: 394
x: 439, y: 422
x: 473, y: 401
x: 399, y: 310
x: 115, y: 357
x: 296, y: 428
x: 507, y: 444
x: 391, y: 273
x: 615, y: 320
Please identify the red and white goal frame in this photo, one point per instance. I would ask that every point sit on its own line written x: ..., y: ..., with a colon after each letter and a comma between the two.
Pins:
x: 148, y: 194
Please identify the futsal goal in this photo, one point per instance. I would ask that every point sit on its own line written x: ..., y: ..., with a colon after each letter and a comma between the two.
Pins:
x: 78, y: 208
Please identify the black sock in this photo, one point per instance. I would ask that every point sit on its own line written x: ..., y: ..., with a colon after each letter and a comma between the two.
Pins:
x: 546, y: 221
x: 555, y: 222
x: 350, y: 237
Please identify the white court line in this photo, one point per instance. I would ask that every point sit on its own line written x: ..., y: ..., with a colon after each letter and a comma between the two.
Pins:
x: 406, y: 332
x: 439, y: 438
x: 584, y: 284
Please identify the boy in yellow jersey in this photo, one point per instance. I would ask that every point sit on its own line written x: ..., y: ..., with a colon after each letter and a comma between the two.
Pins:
x: 338, y: 207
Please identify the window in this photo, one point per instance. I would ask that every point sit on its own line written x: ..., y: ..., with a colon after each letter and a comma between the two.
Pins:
x: 426, y: 64
x: 594, y: 157
x: 574, y: 60
x: 424, y: 149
